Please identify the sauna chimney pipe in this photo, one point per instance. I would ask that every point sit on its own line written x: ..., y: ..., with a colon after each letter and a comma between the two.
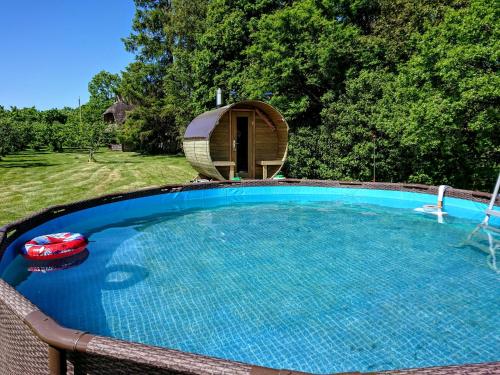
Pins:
x: 218, y: 100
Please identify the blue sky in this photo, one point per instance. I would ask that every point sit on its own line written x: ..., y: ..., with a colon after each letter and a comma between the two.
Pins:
x: 49, y: 50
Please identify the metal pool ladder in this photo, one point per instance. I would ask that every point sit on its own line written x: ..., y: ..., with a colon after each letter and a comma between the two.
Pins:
x: 490, y: 210
x: 492, y: 233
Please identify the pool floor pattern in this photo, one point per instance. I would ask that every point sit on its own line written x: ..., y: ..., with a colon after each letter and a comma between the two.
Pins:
x: 318, y: 287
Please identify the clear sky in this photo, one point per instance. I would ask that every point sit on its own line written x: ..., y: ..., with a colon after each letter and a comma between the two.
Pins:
x: 50, y: 49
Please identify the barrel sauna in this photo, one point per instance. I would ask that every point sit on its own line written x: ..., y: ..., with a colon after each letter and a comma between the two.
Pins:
x: 248, y: 139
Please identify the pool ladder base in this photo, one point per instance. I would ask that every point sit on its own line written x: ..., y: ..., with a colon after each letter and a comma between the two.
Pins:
x: 490, y: 234
x: 487, y: 239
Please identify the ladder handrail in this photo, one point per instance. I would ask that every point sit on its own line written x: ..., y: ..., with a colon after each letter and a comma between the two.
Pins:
x: 492, y: 201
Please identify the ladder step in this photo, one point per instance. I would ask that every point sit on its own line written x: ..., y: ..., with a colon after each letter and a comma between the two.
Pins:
x: 478, y: 245
x: 493, y: 213
x: 493, y: 230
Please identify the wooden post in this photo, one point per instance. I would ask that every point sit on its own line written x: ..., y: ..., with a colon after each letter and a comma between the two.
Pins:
x: 374, y: 154
x: 252, y: 159
x: 230, y: 135
x: 57, y: 361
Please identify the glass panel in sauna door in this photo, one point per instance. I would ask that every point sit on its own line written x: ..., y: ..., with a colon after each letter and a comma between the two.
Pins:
x: 242, y: 147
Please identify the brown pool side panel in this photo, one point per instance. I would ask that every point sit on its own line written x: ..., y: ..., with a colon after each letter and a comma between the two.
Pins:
x: 21, y: 350
x: 33, y: 343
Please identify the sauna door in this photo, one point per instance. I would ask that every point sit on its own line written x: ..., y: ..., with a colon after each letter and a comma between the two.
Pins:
x: 242, y: 143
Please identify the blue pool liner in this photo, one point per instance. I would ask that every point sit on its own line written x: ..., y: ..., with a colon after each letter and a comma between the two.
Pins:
x: 208, y: 198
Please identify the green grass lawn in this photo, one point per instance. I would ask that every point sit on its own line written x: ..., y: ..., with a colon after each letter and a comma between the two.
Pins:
x: 31, y: 181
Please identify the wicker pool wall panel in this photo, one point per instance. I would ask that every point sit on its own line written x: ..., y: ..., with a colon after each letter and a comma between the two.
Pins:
x: 21, y: 350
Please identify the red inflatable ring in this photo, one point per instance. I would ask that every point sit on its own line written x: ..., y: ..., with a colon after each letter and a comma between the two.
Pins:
x: 54, y: 246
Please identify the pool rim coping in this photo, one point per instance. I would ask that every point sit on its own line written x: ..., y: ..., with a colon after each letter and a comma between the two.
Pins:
x: 62, y: 339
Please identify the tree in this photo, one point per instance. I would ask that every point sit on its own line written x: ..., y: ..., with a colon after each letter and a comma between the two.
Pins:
x: 93, y: 135
x: 92, y: 131
x: 7, y: 135
x: 54, y: 121
x: 15, y: 128
x: 103, y: 87
x: 148, y: 39
x: 159, y: 84
x: 299, y: 53
x: 443, y: 105
x: 220, y: 59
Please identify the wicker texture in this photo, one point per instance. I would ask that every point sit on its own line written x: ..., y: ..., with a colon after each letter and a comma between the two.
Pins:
x: 473, y: 369
x: 21, y: 351
x: 15, y: 301
x: 154, y: 357
x: 80, y: 364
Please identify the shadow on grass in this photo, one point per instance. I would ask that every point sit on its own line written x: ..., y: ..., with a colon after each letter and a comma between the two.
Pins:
x: 116, y: 162
x: 170, y: 156
x: 23, y: 164
x: 20, y: 160
x: 33, y: 152
x: 68, y: 150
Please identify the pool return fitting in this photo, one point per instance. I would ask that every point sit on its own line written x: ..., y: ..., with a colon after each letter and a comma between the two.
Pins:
x: 435, y: 209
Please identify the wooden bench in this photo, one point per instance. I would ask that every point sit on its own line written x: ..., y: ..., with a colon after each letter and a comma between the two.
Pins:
x: 266, y: 163
x: 222, y: 163
x: 116, y: 147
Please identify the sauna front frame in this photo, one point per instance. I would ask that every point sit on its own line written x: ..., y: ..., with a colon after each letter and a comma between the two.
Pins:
x: 210, y: 142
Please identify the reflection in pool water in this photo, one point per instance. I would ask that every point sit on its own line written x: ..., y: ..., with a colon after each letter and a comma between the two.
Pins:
x: 313, y: 286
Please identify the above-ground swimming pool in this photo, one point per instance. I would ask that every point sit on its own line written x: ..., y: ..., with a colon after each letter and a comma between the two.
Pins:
x: 314, y: 279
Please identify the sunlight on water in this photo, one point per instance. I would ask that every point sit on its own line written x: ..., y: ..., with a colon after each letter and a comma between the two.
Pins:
x: 318, y: 286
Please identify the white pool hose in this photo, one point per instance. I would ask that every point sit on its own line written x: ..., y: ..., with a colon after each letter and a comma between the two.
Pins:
x: 441, y: 190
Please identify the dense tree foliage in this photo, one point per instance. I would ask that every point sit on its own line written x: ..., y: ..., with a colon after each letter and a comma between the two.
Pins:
x: 58, y: 128
x: 397, y: 90
x: 27, y: 127
x: 103, y: 87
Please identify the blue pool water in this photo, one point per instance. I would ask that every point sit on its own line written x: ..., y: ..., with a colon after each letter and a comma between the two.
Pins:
x: 313, y: 283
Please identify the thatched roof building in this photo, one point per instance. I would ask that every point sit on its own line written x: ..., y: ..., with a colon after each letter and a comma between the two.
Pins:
x: 117, y: 113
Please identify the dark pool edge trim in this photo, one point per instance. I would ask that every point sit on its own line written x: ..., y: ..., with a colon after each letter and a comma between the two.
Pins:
x: 98, y: 350
x: 49, y: 331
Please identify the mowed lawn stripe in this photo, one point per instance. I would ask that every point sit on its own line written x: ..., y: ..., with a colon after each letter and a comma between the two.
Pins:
x: 31, y: 181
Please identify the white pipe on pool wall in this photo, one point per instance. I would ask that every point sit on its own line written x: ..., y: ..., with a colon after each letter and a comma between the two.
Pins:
x: 441, y: 191
x: 436, y: 209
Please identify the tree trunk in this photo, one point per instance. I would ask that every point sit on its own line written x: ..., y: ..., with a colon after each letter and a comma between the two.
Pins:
x: 91, y: 155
